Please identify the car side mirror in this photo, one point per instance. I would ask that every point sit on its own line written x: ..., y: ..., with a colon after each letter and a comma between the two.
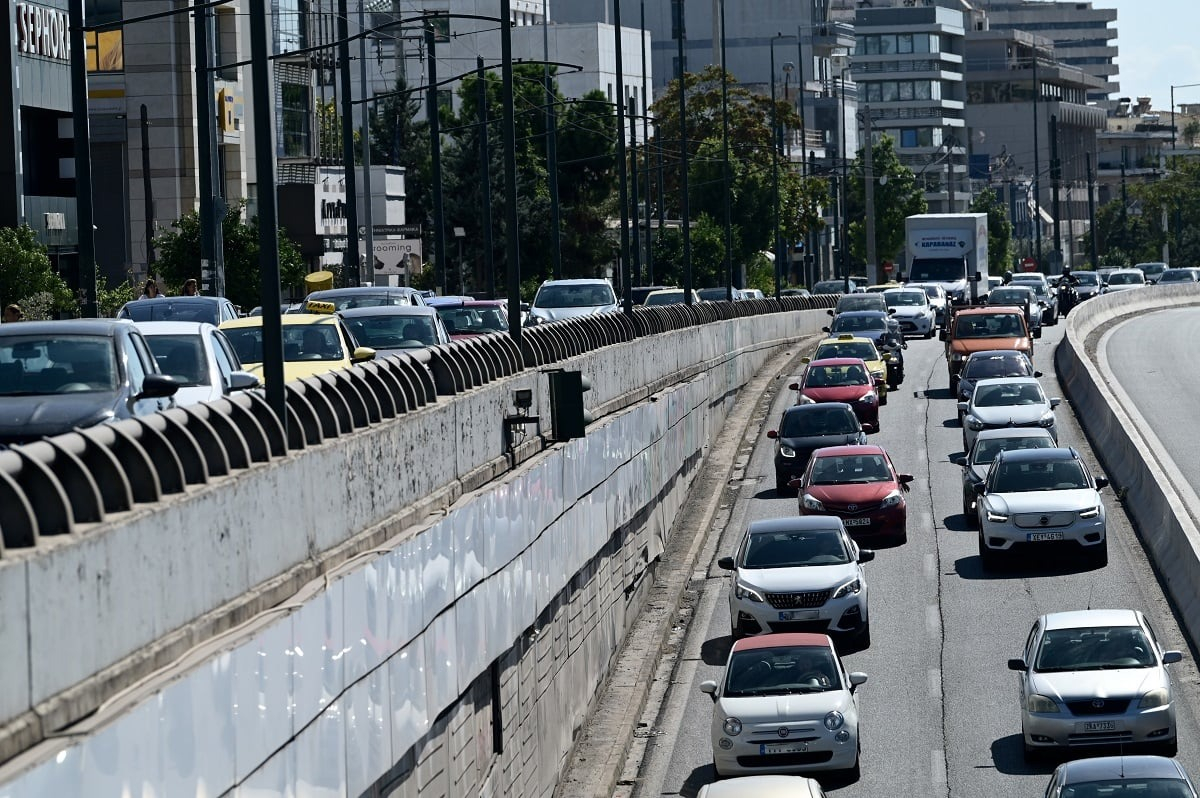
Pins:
x: 726, y: 564
x: 710, y: 687
x: 1037, y: 374
x: 865, y: 555
x: 806, y: 360
x: 1017, y: 664
x: 242, y: 381
x: 904, y: 480
x: 1055, y: 402
x: 1171, y: 657
x: 362, y: 354
x: 772, y: 434
x: 1101, y: 483
x: 1037, y: 332
x: 943, y: 334
x: 793, y: 386
x: 157, y: 386
x: 857, y: 678
x: 830, y: 311
x: 964, y: 406
x: 980, y: 488
x: 891, y: 311
x: 959, y: 460
x: 796, y: 482
x: 825, y: 330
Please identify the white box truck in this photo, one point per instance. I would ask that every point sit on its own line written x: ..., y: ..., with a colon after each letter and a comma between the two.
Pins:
x: 950, y: 249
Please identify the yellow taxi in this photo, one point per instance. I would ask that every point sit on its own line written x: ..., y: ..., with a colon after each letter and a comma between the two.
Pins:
x: 846, y: 345
x: 315, y: 342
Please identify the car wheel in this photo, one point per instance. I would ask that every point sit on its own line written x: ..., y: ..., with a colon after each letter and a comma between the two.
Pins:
x: 1169, y: 749
x: 883, y: 398
x: 737, y: 633
x: 954, y: 385
x: 988, y: 559
x: 854, y: 772
x: 1100, y: 554
x: 863, y: 637
x: 969, y: 512
x: 781, y: 487
x: 928, y: 334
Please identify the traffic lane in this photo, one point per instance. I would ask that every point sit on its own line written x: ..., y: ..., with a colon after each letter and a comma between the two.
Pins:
x: 987, y: 618
x: 899, y: 706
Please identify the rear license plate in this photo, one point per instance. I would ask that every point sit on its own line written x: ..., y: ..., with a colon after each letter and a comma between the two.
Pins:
x: 856, y: 521
x: 782, y: 748
x: 798, y: 615
x: 1099, y: 725
x: 1034, y: 537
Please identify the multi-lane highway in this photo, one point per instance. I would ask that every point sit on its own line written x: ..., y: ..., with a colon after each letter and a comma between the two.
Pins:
x: 939, y: 713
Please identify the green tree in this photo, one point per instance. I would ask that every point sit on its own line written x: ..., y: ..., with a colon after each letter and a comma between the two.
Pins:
x: 896, y: 199
x: 1166, y: 212
x: 179, y: 255
x: 329, y: 135
x: 1000, y: 254
x: 1191, y: 131
x: 398, y: 139
x: 27, y: 278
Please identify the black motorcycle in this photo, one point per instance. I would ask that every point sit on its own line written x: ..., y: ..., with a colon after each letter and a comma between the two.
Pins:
x: 1068, y: 297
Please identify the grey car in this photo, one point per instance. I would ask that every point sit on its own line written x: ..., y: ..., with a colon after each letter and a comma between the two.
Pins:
x: 569, y: 299
x: 1117, y: 776
x: 1095, y: 679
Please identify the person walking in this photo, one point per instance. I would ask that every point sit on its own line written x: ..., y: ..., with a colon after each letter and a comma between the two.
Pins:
x: 191, y: 288
x: 150, y: 290
x: 13, y: 313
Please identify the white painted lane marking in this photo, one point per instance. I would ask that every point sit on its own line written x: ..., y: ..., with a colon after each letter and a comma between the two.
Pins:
x: 933, y: 622
x: 937, y: 769
x: 935, y: 682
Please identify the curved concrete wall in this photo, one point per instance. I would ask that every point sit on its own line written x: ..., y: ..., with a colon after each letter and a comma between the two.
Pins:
x: 452, y: 657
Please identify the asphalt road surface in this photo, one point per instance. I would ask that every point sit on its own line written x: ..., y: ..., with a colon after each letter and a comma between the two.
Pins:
x: 939, y: 712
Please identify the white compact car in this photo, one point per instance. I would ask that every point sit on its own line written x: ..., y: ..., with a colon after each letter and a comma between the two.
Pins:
x: 1007, y: 402
x: 763, y: 787
x: 199, y: 357
x: 785, y: 705
x: 1095, y: 678
x: 568, y: 299
x: 1039, y: 497
x: 911, y: 308
x: 801, y: 573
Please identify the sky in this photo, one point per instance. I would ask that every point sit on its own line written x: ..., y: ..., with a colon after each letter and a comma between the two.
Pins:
x: 1158, y: 45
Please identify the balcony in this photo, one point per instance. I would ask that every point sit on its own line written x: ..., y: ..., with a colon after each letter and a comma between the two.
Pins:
x: 832, y: 35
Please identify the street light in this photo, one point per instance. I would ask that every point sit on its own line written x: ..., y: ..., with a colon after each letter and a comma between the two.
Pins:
x: 788, y: 66
x: 725, y: 161
x: 1173, y: 88
x: 844, y: 239
x: 776, y: 141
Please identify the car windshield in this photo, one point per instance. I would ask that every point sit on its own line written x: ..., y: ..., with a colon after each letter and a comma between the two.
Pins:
x: 1126, y: 787
x: 300, y: 342
x: 1024, y: 477
x: 1005, y: 394
x: 985, y: 450
x: 835, y: 376
x: 171, y: 310
x: 781, y: 670
x: 393, y: 331
x: 32, y: 365
x: 1176, y: 277
x: 574, y: 296
x: 1125, y: 278
x: 859, y: 350
x: 1008, y: 296
x: 905, y: 298
x: 473, y: 320
x: 181, y: 357
x: 844, y: 323
x: 1095, y: 648
x: 665, y: 298
x: 938, y: 270
x: 860, y: 302
x: 849, y: 470
x: 351, y: 301
x: 993, y: 325
x: 817, y: 420
x: 982, y: 368
x: 1087, y: 278
x: 795, y: 549
x: 830, y: 287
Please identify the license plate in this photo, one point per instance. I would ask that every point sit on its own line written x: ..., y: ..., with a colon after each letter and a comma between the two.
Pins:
x: 798, y: 615
x: 1033, y: 537
x: 856, y: 521
x: 1099, y: 725
x: 782, y: 748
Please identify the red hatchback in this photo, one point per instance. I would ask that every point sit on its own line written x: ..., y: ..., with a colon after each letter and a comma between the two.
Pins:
x: 841, y: 379
x: 860, y: 485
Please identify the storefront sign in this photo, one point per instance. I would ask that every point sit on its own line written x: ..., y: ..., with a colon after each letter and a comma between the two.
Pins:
x: 396, y: 255
x: 42, y: 31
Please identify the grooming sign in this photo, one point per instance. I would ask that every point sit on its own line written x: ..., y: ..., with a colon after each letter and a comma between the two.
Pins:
x: 43, y: 31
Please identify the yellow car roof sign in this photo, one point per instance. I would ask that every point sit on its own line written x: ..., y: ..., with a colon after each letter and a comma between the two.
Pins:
x: 316, y: 306
x: 845, y: 337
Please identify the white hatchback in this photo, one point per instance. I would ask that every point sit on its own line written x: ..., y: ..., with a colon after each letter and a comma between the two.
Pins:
x: 199, y: 357
x: 1007, y: 402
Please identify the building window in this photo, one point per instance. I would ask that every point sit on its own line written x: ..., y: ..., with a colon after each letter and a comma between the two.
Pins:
x: 921, y: 43
x: 225, y: 43
x: 105, y: 51
x: 295, y: 122
x: 904, y: 43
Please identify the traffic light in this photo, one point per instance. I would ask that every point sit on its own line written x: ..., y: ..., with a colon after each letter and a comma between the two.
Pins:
x: 567, y: 412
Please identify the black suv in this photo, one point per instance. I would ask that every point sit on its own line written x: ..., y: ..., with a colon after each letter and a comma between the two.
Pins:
x: 806, y: 428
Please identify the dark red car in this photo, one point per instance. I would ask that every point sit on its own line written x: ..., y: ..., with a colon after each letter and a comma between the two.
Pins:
x: 841, y: 379
x: 860, y: 485
x: 464, y: 317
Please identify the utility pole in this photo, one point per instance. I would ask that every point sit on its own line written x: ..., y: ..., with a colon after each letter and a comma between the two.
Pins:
x: 775, y: 147
x: 1055, y: 187
x: 83, y: 163
x: 148, y: 191
x: 679, y: 18
x: 646, y: 150
x: 725, y: 176
x: 636, y: 214
x: 367, y: 215
x: 350, y: 262
x: 622, y: 187
x: 1124, y: 203
x: 485, y: 167
x: 511, y: 218
x: 435, y: 145
x: 551, y: 148
x: 1092, y: 236
x: 804, y: 170
x: 210, y: 221
x: 1037, y: 159
x: 869, y: 184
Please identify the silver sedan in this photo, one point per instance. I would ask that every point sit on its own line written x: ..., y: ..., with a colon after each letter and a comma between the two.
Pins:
x: 1095, y: 678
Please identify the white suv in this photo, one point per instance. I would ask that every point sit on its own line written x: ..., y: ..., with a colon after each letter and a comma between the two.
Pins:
x: 569, y: 299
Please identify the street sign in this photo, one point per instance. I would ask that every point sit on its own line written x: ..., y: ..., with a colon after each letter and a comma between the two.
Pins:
x: 888, y: 267
x: 396, y: 256
x: 402, y: 230
x: 1029, y: 265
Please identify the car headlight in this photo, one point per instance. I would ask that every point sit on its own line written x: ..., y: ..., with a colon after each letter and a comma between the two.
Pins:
x: 878, y: 375
x: 1155, y: 698
x: 892, y: 499
x: 1092, y: 513
x: 1040, y: 703
x: 807, y: 400
x: 743, y: 591
x: 732, y: 727
x: 997, y: 518
x: 957, y: 356
x: 851, y: 588
x: 786, y: 451
x: 834, y: 720
x: 812, y: 504
x: 974, y: 423
x: 869, y: 398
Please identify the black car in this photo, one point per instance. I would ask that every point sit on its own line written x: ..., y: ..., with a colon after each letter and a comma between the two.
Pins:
x: 989, y: 363
x: 881, y: 328
x: 211, y: 309
x: 806, y: 428
x: 56, y: 376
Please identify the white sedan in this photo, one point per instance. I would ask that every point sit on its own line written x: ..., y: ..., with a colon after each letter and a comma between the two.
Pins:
x: 1037, y: 498
x: 785, y: 705
x: 911, y: 308
x: 199, y: 357
x: 763, y: 787
x: 1007, y: 402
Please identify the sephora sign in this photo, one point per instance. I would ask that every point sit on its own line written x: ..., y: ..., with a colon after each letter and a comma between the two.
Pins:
x: 42, y: 31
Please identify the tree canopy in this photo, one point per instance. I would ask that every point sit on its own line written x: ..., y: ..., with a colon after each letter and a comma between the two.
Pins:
x: 1000, y: 251
x: 898, y: 197
x: 1164, y: 212
x: 27, y: 278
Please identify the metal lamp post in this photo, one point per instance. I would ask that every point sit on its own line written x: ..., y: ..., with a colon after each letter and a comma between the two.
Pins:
x: 725, y: 178
x: 775, y: 147
x: 843, y: 239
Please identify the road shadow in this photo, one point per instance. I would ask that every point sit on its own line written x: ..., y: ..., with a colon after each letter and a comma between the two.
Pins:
x: 1021, y: 566
x: 938, y: 393
x: 696, y: 779
x: 771, y: 493
x: 834, y: 781
x: 1008, y: 756
x: 716, y: 651
x: 958, y: 523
